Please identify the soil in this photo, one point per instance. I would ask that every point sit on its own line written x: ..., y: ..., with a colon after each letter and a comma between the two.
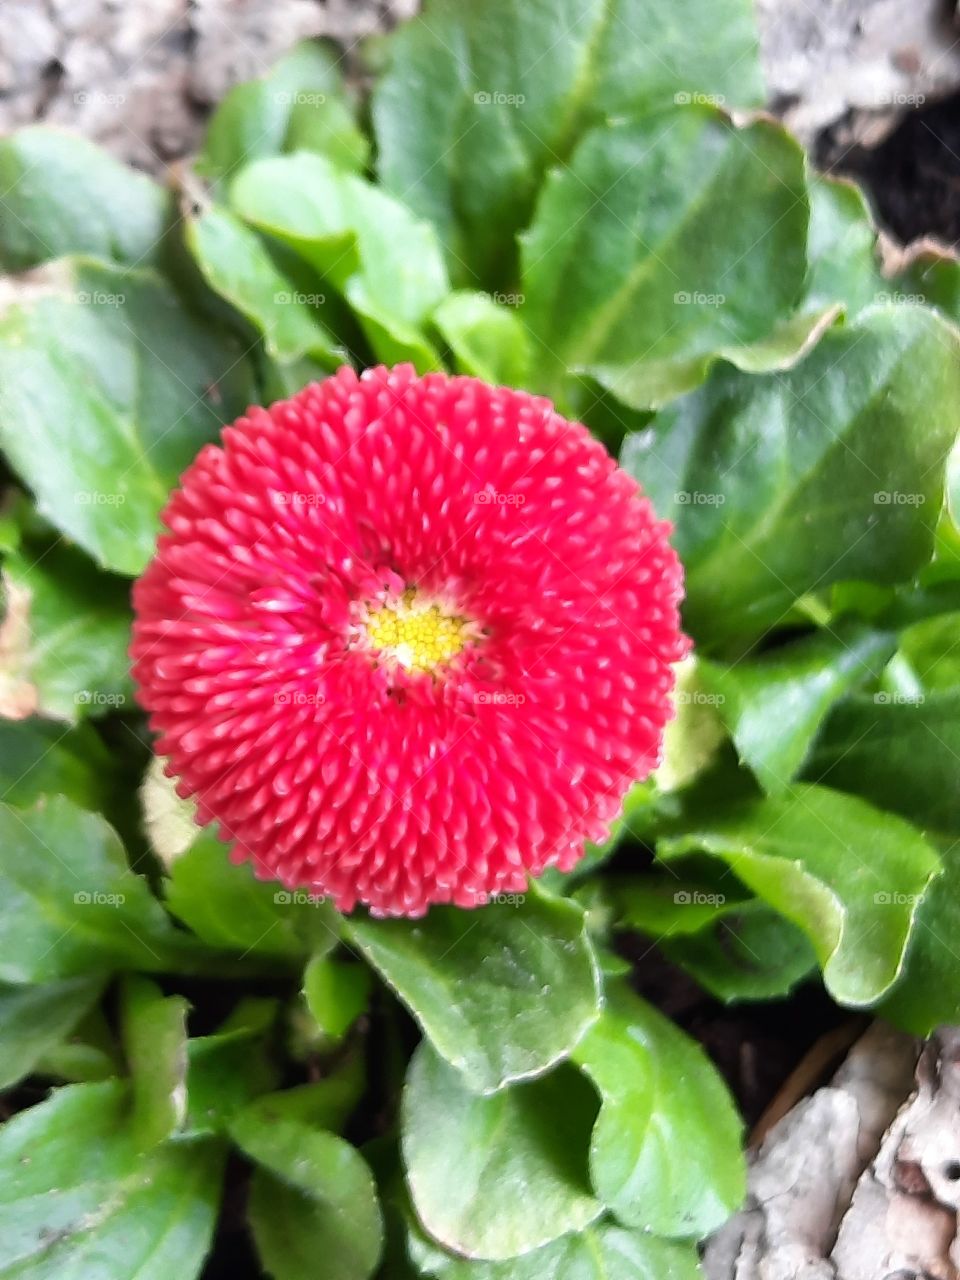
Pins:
x: 913, y: 176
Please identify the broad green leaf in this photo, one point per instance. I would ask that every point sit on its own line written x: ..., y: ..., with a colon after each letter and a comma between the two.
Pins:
x: 90, y: 1052
x: 642, y: 293
x: 236, y: 263
x: 78, y: 1202
x: 71, y: 659
x: 478, y: 101
x: 664, y: 904
x: 336, y: 993
x: 900, y: 751
x: 603, y: 1252
x: 928, y: 993
x: 71, y: 903
x: 39, y: 757
x: 62, y: 194
x: 486, y: 339
x: 312, y: 1198
x: 502, y: 992
x: 930, y: 651
x: 842, y: 247
x: 155, y: 1044
x: 37, y: 1019
x: 366, y: 245
x: 747, y: 953
x: 230, y: 1067
x: 297, y: 104
x: 850, y: 876
x: 499, y: 1175
x: 665, y: 1154
x: 774, y: 704
x: 781, y: 485
x: 226, y: 906
x: 120, y: 387
x: 693, y: 737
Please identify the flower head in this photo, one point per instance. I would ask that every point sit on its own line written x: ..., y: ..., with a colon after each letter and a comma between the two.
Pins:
x: 408, y: 639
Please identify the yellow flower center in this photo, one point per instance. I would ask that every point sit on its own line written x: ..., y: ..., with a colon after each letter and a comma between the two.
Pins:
x: 416, y: 633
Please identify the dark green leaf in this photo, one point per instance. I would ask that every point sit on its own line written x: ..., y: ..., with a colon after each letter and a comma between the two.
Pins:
x: 842, y: 247
x: 229, y: 1068
x: 39, y: 757
x: 643, y: 293
x: 774, y: 705
x: 62, y: 194
x: 336, y: 994
x: 479, y: 100
x: 502, y: 992
x: 848, y: 875
x: 368, y: 246
x: 78, y: 1202
x: 35, y: 1020
x: 783, y: 484
x: 665, y: 1154
x: 155, y: 1044
x: 499, y: 1175
x: 120, y: 387
x: 312, y: 1198
x: 70, y: 660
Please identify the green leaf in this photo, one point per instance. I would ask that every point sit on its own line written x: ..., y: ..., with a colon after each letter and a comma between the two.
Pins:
x: 499, y: 1175
x: 898, y: 750
x: 487, y: 340
x: 71, y: 659
x: 929, y: 651
x: 90, y: 1053
x: 642, y: 293
x: 92, y: 1207
x: 71, y: 903
x: 336, y: 993
x: 665, y: 1154
x: 666, y: 904
x: 747, y: 953
x: 774, y: 704
x: 225, y: 905
x: 370, y: 248
x: 780, y: 485
x: 298, y: 104
x: 842, y: 247
x: 696, y: 733
x: 848, y: 875
x: 603, y: 1252
x: 236, y: 264
x: 155, y: 1044
x: 37, y: 1019
x: 928, y: 993
x: 312, y: 1197
x: 479, y: 100
x: 39, y: 757
x: 502, y: 992
x: 121, y: 387
x: 229, y: 1068
x: 62, y: 194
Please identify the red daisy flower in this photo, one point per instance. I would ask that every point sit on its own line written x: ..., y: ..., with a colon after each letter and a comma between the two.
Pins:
x: 408, y: 639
